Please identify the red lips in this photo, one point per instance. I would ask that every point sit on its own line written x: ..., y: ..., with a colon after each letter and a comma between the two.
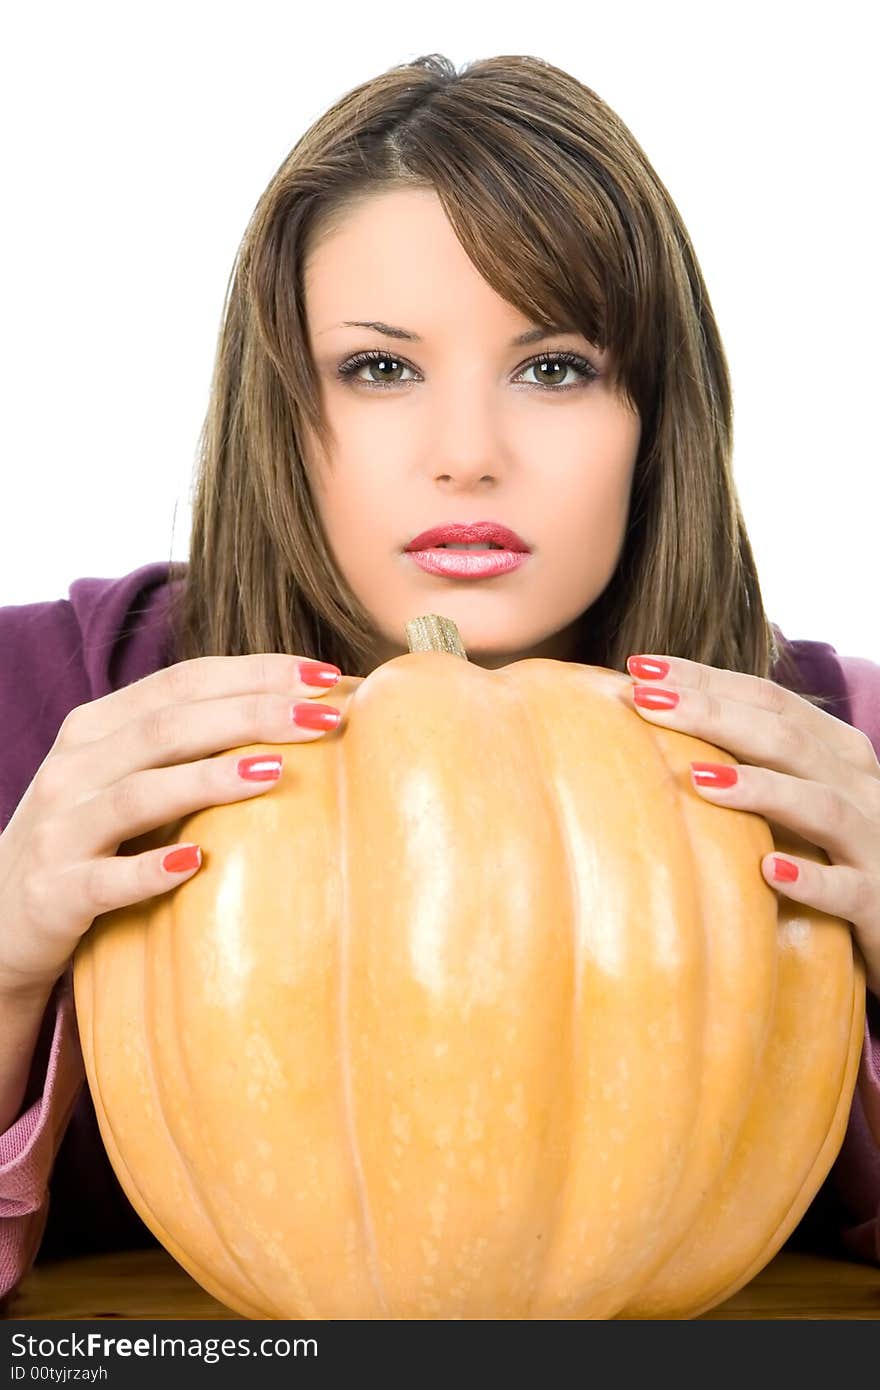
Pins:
x: 455, y: 533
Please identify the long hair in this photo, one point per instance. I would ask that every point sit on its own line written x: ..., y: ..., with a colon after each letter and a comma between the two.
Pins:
x: 560, y: 211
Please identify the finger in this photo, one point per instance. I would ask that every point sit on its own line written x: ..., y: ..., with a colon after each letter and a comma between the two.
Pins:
x: 846, y: 742
x: 839, y: 891
x: 162, y: 796
x: 103, y: 885
x: 171, y: 736
x: 754, y: 735
x: 816, y: 812
x: 201, y: 678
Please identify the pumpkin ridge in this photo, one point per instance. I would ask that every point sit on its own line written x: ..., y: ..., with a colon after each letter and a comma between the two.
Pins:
x: 831, y: 1146
x: 647, y: 1301
x: 103, y: 1115
x: 542, y: 754
x: 354, y: 1148
x: 662, y: 746
x: 197, y: 1196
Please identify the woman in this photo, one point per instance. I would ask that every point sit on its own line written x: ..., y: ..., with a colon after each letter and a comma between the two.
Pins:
x: 463, y: 301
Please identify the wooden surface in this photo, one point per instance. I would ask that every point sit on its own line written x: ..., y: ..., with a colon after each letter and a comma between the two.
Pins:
x: 150, y: 1284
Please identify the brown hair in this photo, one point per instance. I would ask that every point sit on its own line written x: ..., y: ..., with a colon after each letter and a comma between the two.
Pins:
x: 562, y: 214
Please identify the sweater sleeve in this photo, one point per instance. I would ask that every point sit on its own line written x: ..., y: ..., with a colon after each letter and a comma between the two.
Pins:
x: 55, y: 655
x: 857, y: 1168
x: 30, y: 1145
x: 41, y: 678
x: 856, y: 1172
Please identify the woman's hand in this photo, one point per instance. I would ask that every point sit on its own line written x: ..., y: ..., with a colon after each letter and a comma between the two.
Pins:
x: 801, y: 767
x: 126, y: 764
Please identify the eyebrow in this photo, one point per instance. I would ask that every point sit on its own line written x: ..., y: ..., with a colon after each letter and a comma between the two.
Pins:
x: 532, y: 335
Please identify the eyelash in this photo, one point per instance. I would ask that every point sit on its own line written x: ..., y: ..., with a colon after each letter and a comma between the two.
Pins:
x: 585, y: 369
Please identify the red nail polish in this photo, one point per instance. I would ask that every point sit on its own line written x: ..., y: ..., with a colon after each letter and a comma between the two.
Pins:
x: 315, y: 716
x: 261, y: 768
x: 646, y: 668
x: 714, y: 774
x: 318, y: 673
x: 784, y: 870
x: 654, y: 699
x: 179, y: 861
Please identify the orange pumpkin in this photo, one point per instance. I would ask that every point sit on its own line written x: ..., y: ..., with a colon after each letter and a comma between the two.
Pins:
x: 482, y: 1012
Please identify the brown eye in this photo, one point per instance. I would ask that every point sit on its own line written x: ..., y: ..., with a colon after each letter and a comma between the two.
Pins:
x: 374, y: 359
x: 561, y: 362
x: 561, y: 368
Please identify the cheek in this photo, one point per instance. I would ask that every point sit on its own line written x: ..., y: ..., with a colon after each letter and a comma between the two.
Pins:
x: 606, y: 475
x: 589, y: 511
x: 356, y: 520
x: 594, y: 502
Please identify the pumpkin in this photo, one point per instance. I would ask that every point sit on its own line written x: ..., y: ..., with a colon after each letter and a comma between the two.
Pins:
x: 481, y: 1012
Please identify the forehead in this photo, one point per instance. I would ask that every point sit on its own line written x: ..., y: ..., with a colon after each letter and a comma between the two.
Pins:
x: 387, y: 257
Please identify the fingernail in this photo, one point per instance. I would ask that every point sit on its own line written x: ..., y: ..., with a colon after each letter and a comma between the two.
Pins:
x: 318, y: 673
x: 647, y: 668
x: 179, y: 861
x: 784, y: 870
x: 315, y: 716
x: 654, y: 699
x: 260, y: 768
x: 715, y: 775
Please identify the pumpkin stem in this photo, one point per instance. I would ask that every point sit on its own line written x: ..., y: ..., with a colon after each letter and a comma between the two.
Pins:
x: 431, y: 633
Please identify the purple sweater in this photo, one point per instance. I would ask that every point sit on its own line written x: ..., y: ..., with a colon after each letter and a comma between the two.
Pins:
x: 109, y: 632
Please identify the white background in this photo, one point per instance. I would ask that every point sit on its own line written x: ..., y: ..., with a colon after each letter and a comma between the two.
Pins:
x: 137, y: 141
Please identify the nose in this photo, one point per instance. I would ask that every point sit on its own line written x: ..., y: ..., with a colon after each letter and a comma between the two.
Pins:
x: 467, y: 444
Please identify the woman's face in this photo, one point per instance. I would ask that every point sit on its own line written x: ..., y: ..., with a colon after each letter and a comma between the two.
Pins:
x: 464, y: 432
